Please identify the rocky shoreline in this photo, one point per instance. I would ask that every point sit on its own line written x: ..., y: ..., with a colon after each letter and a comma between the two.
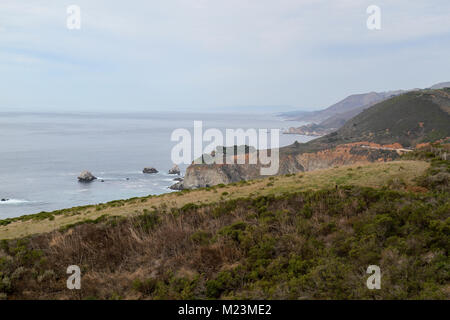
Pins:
x: 87, y: 177
x: 312, y: 130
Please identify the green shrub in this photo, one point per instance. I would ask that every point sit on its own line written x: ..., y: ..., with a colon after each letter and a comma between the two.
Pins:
x: 201, y: 237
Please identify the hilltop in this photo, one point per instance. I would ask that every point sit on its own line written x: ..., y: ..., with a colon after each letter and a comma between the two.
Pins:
x: 408, y: 119
x: 353, y: 103
x: 441, y: 85
x: 335, y: 116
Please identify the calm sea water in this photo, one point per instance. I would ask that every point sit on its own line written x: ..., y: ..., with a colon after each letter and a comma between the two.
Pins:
x: 41, y: 155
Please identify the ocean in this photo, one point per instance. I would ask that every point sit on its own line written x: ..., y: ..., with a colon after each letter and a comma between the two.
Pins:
x: 41, y: 155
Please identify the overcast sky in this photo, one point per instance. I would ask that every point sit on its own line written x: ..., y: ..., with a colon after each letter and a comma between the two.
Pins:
x: 146, y: 55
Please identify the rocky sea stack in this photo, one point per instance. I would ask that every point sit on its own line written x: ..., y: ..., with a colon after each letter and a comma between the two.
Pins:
x: 177, y: 186
x: 86, y: 176
x: 175, y: 170
x: 149, y: 170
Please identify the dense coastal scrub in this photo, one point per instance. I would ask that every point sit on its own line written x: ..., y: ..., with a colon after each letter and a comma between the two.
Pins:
x: 307, y: 245
x: 437, y: 176
x: 301, y: 245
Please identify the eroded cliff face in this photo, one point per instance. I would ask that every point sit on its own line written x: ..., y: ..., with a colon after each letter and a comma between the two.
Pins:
x: 203, y: 175
x: 345, y: 155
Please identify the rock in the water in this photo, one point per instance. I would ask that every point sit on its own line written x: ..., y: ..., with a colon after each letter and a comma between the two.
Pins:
x: 4, y: 200
x: 178, y: 179
x: 177, y: 186
x: 149, y: 170
x: 175, y: 170
x: 86, y: 176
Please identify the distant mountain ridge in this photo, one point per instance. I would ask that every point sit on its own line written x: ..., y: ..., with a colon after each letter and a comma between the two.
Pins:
x: 411, y: 118
x: 351, y: 103
x: 356, y: 102
x: 333, y: 117
x: 441, y: 85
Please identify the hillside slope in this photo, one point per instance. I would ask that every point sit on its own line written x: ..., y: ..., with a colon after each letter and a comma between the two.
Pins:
x: 268, y: 239
x: 408, y: 119
x: 334, y: 117
x: 353, y: 102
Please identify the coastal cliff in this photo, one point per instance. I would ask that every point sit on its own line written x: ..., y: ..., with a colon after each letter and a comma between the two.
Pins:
x: 203, y: 175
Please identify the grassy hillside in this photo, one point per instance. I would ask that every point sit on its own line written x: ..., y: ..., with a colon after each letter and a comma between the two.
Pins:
x: 408, y: 119
x: 411, y: 118
x: 305, y: 245
x: 302, y: 236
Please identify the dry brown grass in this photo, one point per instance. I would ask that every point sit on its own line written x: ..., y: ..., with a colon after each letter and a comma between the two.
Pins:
x: 111, y: 257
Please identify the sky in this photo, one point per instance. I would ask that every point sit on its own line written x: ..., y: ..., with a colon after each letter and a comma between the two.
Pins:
x: 207, y: 55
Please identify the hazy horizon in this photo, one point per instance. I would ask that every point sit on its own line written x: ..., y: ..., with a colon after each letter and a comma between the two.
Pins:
x: 204, y: 56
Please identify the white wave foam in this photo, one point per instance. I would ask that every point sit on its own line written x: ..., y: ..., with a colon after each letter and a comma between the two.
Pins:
x: 14, y: 201
x: 102, y: 179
